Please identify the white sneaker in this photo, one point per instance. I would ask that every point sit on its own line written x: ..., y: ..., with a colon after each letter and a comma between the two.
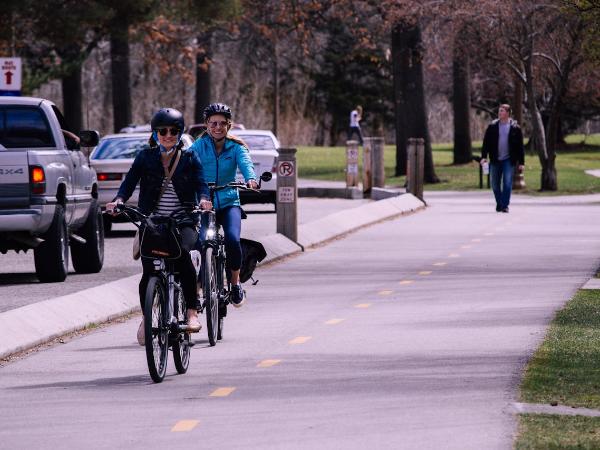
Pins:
x: 140, y: 334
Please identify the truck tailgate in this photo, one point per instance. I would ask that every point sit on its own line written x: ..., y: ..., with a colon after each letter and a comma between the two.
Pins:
x: 14, y: 178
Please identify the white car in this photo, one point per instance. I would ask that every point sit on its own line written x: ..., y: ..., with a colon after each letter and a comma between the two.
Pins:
x: 263, y: 146
x: 112, y: 159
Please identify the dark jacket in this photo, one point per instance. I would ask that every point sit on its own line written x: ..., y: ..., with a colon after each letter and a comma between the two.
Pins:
x: 188, y: 180
x: 516, y: 149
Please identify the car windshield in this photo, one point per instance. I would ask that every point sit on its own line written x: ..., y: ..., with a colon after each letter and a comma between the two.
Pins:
x: 257, y: 142
x: 121, y: 148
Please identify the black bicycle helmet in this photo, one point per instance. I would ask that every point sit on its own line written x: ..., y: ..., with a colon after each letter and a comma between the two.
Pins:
x: 167, y: 117
x: 217, y: 108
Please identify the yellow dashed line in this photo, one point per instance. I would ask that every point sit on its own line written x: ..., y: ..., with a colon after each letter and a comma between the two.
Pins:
x: 385, y: 292
x: 440, y: 264
x: 300, y: 340
x: 222, y: 392
x: 268, y: 363
x: 453, y: 255
x: 425, y: 272
x: 403, y: 282
x: 334, y: 321
x: 362, y: 305
x: 184, y: 425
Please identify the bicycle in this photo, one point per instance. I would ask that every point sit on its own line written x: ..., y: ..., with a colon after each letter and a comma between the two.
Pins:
x: 216, y: 286
x: 164, y: 306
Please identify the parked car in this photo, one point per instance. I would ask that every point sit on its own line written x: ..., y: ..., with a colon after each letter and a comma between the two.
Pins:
x: 48, y: 192
x: 112, y: 159
x: 263, y: 146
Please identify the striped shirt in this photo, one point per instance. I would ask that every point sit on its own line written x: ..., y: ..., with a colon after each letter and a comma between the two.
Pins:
x: 169, y: 201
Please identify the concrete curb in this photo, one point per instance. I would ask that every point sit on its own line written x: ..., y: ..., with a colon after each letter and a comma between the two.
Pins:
x: 593, y: 283
x: 538, y: 408
x: 35, y: 324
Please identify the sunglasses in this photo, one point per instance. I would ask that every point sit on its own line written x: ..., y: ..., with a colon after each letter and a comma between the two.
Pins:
x: 172, y: 131
x: 222, y: 123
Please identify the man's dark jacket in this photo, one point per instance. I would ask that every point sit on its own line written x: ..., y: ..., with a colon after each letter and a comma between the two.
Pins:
x: 516, y: 148
x: 188, y: 180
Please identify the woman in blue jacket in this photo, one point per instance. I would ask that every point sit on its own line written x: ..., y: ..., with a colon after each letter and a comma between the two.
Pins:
x: 221, y: 155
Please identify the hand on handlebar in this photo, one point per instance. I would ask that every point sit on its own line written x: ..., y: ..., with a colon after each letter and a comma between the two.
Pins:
x: 110, y: 207
x: 205, y: 204
x: 252, y: 184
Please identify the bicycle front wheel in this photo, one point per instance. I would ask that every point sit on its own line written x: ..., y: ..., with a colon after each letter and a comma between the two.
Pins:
x: 211, y: 294
x: 156, y: 329
x: 181, y: 344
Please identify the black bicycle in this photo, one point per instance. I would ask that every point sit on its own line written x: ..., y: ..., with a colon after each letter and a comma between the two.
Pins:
x: 164, y: 305
x: 216, y: 284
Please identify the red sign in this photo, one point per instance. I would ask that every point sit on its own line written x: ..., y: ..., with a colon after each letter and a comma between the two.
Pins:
x: 286, y: 169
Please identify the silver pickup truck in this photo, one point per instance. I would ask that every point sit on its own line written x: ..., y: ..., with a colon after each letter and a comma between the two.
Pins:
x: 48, y: 192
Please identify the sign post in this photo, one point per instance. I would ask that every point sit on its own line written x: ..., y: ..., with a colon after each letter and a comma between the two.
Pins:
x: 10, y: 76
x: 351, y: 164
x: 287, y: 194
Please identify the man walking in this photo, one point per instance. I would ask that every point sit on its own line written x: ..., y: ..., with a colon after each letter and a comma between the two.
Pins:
x: 503, y: 142
x: 354, y: 126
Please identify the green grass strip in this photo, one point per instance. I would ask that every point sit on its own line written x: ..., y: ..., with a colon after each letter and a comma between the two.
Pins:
x: 566, y: 368
x: 541, y: 431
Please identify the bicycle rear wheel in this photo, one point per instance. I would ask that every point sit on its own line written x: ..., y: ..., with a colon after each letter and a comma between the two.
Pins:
x: 181, y: 343
x: 211, y: 294
x: 156, y: 329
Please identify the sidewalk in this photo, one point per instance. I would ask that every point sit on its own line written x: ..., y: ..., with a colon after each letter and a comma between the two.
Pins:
x: 21, y: 328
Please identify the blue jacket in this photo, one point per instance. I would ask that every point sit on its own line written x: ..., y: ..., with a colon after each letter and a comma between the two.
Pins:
x: 188, y: 180
x: 222, y: 169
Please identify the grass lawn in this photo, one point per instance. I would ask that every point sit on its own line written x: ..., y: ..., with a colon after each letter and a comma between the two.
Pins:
x: 566, y: 370
x: 328, y: 163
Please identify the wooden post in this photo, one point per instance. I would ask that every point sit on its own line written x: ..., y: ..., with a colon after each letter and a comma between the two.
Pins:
x: 518, y: 179
x: 351, y: 163
x: 367, y: 165
x: 415, y: 172
x: 287, y: 193
x: 378, y: 164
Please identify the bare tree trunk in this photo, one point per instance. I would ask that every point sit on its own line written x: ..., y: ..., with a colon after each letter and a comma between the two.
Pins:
x: 517, y: 106
x: 202, y: 81
x: 275, y: 87
x: 461, y: 104
x: 547, y: 158
x: 121, y: 90
x: 411, y: 111
x: 71, y: 87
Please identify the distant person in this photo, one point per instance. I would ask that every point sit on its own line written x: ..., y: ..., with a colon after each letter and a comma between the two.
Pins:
x: 503, y: 142
x: 354, y: 127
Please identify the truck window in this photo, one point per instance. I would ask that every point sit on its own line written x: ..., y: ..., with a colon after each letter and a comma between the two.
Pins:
x: 24, y: 127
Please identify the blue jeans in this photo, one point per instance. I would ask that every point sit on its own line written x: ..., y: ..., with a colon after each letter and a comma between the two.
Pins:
x: 501, y: 177
x: 230, y: 219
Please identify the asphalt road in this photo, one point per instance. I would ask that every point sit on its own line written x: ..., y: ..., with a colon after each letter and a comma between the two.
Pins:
x: 19, y: 285
x: 409, y: 334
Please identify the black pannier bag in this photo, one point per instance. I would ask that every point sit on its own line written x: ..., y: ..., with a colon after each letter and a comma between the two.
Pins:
x: 162, y: 240
x: 252, y: 253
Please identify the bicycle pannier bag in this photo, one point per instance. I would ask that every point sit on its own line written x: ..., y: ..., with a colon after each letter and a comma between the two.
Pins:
x: 161, y: 241
x: 252, y: 253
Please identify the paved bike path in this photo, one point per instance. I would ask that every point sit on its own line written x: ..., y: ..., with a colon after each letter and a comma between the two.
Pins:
x: 37, y: 323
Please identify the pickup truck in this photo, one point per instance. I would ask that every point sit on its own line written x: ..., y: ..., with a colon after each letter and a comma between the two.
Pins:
x: 48, y: 191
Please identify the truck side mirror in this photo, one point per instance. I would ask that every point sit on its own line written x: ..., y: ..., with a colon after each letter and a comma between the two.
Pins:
x: 89, y: 138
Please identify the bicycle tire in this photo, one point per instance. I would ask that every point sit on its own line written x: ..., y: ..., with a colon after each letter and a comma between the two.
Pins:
x: 211, y: 294
x: 222, y: 282
x: 155, y: 329
x: 181, y: 343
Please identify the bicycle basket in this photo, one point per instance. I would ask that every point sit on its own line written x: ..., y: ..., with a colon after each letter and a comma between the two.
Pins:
x: 161, y: 241
x: 252, y: 253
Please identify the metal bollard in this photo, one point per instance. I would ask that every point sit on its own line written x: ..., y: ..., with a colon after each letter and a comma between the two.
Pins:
x: 415, y: 171
x: 367, y: 165
x: 351, y: 163
x: 378, y: 163
x: 287, y: 194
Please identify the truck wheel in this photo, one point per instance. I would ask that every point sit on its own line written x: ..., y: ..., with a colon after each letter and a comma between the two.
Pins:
x: 52, y: 256
x: 89, y: 257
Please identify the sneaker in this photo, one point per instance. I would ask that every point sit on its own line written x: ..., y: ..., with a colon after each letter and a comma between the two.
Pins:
x: 498, y: 208
x: 140, y: 334
x: 238, y: 296
x: 505, y: 210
